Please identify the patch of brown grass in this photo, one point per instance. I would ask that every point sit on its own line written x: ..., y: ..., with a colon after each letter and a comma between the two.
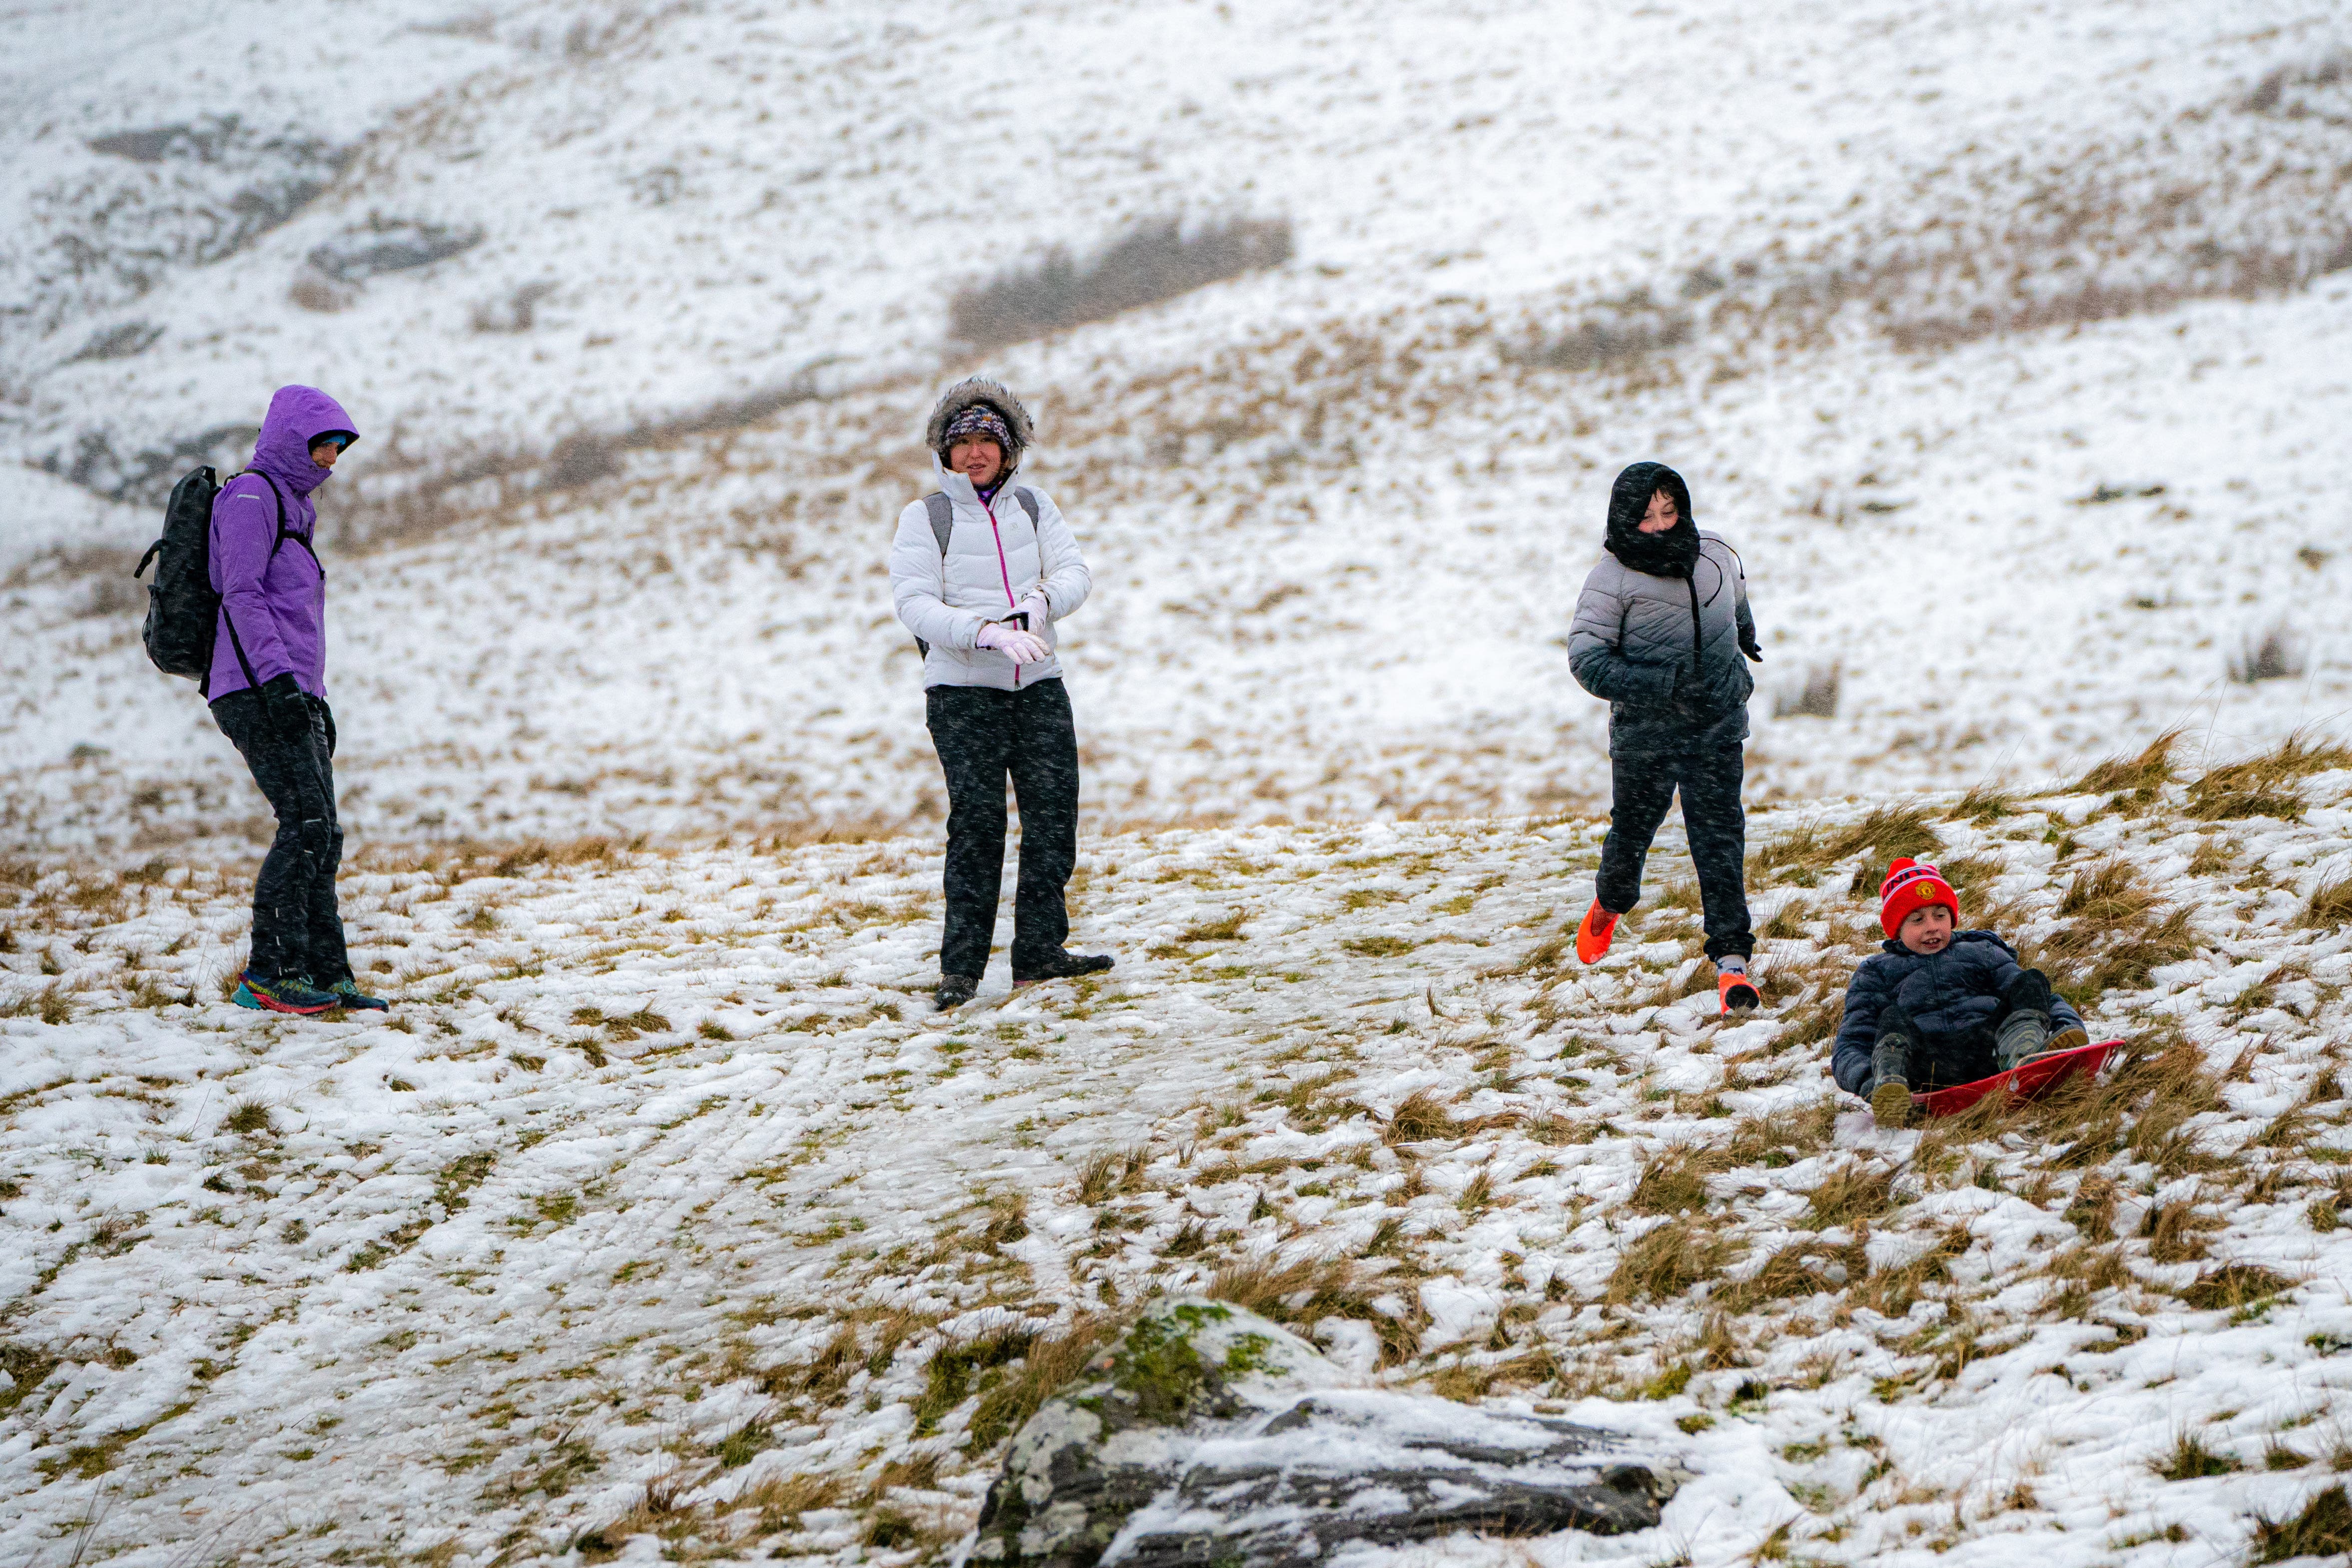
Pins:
x: 2140, y: 777
x: 1782, y: 1137
x: 2174, y: 1232
x: 1666, y: 1261
x: 1419, y: 1117
x: 1853, y: 1193
x: 1049, y: 1365
x: 1796, y: 1270
x: 2324, y: 1528
x: 2329, y: 907
x: 1107, y: 1172
x: 1303, y: 1292
x: 1674, y: 1181
x: 2235, y: 1285
x: 1814, y: 1017
x: 2264, y: 786
x: 1892, y: 1289
x: 1984, y: 803
x: 1888, y: 831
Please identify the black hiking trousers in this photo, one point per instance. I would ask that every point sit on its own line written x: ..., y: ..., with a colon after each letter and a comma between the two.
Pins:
x: 984, y: 735
x: 1641, y: 789
x: 297, y: 931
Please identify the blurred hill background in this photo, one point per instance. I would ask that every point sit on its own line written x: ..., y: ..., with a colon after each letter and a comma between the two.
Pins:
x: 2008, y: 346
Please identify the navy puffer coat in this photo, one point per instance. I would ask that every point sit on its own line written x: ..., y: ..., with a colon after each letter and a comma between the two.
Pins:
x: 1954, y: 999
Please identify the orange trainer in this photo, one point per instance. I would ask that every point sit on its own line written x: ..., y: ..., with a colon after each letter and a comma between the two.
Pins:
x: 1592, y: 934
x: 1736, y: 991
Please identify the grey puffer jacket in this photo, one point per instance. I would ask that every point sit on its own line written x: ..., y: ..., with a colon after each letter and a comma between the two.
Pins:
x: 1665, y: 652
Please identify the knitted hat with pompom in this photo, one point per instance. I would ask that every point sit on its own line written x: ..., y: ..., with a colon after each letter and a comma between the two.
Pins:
x: 1910, y: 885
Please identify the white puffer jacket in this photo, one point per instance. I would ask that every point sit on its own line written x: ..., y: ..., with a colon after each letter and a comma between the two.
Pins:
x: 995, y: 558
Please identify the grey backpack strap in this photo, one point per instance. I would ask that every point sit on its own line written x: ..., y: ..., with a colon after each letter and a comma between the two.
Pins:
x: 1028, y: 499
x: 942, y: 515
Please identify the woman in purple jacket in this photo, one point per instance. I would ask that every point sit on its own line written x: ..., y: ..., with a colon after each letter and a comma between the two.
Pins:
x: 268, y: 688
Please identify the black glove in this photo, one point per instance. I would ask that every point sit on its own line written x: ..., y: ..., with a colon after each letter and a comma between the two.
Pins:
x: 327, y: 717
x: 1749, y: 646
x: 287, y: 709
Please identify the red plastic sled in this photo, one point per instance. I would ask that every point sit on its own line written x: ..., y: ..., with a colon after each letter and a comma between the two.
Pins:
x: 2027, y: 1080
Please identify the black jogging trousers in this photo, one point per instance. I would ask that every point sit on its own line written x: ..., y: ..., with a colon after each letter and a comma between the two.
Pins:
x: 296, y: 931
x: 984, y: 735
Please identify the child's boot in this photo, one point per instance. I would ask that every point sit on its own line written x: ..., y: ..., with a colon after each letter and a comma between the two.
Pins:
x: 1593, y: 934
x: 1890, y: 1069
x: 2025, y: 1032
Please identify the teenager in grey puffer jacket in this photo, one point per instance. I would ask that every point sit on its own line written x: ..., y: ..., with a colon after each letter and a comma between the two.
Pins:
x: 1663, y: 633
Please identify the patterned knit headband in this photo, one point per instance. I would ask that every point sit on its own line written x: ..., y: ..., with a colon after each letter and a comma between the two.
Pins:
x: 979, y: 420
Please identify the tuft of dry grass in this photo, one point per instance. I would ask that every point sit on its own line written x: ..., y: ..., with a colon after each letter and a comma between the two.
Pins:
x: 2264, y: 786
x: 2106, y: 896
x: 1419, y: 1117
x: 782, y: 1501
x: 2189, y: 1459
x: 1107, y: 1172
x: 2235, y: 1285
x: 2139, y: 777
x: 1799, y: 1269
x: 1984, y: 803
x: 1675, y: 1182
x: 1813, y: 1018
x: 1851, y: 1194
x: 1666, y: 1261
x: 1304, y: 1291
x: 1888, y: 831
x: 2174, y: 1232
x: 2323, y: 1529
x: 2329, y: 907
x: 1048, y: 1366
x: 1783, y: 1137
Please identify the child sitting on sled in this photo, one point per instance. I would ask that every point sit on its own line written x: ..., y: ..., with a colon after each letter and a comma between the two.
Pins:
x: 1939, y: 1006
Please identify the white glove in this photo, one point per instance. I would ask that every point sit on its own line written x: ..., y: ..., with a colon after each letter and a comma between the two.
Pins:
x: 1040, y: 613
x: 1021, y: 647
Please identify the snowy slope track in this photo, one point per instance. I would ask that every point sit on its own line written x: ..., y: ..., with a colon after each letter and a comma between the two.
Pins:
x: 662, y: 1217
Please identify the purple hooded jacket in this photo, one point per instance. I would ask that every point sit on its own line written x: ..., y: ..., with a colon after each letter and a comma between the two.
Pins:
x: 274, y: 607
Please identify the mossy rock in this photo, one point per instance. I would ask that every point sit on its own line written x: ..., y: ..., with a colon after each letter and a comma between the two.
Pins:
x: 1122, y: 1451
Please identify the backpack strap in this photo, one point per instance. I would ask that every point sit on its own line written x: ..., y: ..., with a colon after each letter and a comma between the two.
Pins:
x: 1028, y: 499
x: 284, y: 533
x: 942, y: 515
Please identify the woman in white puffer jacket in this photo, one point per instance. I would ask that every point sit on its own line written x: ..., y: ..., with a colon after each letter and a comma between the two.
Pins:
x: 981, y: 570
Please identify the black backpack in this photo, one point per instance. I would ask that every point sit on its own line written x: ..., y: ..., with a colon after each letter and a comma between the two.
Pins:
x: 183, y: 608
x: 942, y: 515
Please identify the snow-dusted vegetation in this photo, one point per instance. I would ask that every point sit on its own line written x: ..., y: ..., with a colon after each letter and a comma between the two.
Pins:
x: 662, y: 1220
x: 662, y: 1209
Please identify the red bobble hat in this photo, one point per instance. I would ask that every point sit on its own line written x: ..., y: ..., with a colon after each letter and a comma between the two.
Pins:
x: 1911, y: 886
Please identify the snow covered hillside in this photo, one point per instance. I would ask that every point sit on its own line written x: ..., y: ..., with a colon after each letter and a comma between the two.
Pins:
x: 663, y: 1221
x: 2008, y: 348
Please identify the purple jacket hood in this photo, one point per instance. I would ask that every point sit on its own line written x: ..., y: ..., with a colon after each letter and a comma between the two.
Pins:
x: 273, y: 614
x: 298, y: 416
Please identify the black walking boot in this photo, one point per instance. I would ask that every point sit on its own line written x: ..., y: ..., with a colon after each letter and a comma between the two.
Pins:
x: 954, y: 992
x: 1890, y: 1069
x: 1063, y: 965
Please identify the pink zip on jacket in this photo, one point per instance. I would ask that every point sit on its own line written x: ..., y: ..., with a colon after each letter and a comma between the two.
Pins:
x: 946, y: 594
x: 1003, y: 571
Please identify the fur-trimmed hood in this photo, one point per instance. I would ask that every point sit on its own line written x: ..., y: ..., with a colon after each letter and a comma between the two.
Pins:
x: 972, y: 391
